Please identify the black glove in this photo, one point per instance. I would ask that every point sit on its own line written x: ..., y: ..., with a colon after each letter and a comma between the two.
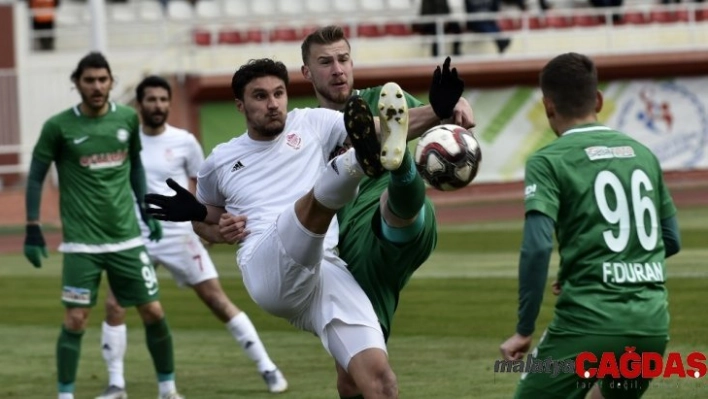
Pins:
x: 445, y: 90
x: 181, y: 207
x: 35, y: 248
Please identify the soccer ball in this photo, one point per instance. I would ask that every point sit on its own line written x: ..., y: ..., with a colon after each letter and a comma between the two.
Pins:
x: 448, y: 157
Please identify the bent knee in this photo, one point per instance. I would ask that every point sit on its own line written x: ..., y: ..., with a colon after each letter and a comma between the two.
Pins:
x: 75, y: 319
x: 151, y: 312
x: 383, y: 381
x: 115, y: 314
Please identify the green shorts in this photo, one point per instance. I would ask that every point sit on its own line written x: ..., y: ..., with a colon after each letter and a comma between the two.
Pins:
x: 131, y: 277
x: 561, y: 346
x: 382, y: 268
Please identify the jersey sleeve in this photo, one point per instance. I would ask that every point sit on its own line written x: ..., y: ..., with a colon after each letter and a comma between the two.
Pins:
x: 195, y: 157
x: 208, y: 191
x: 411, y: 101
x: 134, y: 129
x: 48, y: 146
x: 667, y: 208
x: 541, y: 192
x: 329, y: 127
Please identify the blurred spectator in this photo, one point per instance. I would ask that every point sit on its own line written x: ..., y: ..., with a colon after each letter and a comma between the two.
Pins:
x: 606, y: 3
x: 43, y: 14
x: 438, y: 7
x: 487, y: 25
x: 542, y: 4
x: 616, y: 18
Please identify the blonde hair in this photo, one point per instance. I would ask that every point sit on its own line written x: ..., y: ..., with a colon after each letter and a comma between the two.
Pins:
x: 325, y: 35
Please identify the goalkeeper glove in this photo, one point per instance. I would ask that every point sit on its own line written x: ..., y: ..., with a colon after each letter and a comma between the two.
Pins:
x: 155, y: 228
x: 181, y: 207
x: 35, y: 247
x: 445, y: 90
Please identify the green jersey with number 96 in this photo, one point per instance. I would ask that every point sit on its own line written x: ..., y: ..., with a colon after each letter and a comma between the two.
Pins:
x: 606, y: 193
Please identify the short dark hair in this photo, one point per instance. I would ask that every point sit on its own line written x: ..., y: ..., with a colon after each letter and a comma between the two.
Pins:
x: 152, y: 81
x: 570, y: 82
x: 325, y: 35
x: 93, y: 59
x: 254, y: 69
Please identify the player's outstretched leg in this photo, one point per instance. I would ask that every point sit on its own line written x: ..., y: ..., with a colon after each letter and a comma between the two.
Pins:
x: 405, y: 194
x: 393, y: 114
x: 361, y: 129
x: 403, y: 202
x: 339, y: 183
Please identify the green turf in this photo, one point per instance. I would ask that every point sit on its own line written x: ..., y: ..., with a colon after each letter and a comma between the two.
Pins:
x: 454, y: 314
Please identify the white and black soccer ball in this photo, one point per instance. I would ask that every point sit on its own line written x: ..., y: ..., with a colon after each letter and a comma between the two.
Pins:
x: 448, y: 157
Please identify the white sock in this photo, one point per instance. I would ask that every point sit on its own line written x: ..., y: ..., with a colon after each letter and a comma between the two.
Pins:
x: 113, y: 345
x: 245, y: 334
x: 339, y: 183
x: 66, y: 395
x: 166, y: 387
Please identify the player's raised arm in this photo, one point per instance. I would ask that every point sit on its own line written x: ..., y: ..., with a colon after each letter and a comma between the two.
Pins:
x: 446, y: 103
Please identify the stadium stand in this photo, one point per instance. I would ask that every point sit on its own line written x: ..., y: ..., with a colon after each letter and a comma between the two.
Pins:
x: 210, y: 37
x: 205, y: 23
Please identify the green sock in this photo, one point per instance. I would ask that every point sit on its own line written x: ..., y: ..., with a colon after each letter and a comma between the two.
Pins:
x: 68, y: 352
x: 159, y: 343
x: 406, y: 190
x: 352, y: 397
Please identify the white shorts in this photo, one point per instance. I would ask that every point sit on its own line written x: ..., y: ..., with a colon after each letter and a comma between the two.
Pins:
x: 311, y: 297
x: 185, y: 257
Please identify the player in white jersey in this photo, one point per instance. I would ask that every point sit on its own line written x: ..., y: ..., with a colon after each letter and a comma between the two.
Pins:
x: 169, y: 152
x: 274, y: 175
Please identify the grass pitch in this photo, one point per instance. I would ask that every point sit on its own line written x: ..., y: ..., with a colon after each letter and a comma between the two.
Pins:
x: 454, y: 314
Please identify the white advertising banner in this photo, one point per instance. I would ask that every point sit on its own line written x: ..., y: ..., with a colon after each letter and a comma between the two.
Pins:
x: 668, y: 116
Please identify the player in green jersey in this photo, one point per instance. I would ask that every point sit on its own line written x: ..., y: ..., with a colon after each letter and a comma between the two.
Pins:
x: 95, y: 146
x: 396, y: 198
x: 603, y: 194
x: 389, y: 229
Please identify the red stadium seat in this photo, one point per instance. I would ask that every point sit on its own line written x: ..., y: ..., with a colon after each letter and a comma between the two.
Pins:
x: 397, y: 29
x: 635, y: 18
x: 537, y: 23
x: 202, y: 37
x: 230, y: 36
x: 559, y: 21
x: 369, y: 30
x: 507, y: 24
x: 253, y: 35
x: 663, y: 16
x: 284, y: 34
x: 702, y: 14
x: 585, y: 20
x: 307, y: 30
x: 682, y: 15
